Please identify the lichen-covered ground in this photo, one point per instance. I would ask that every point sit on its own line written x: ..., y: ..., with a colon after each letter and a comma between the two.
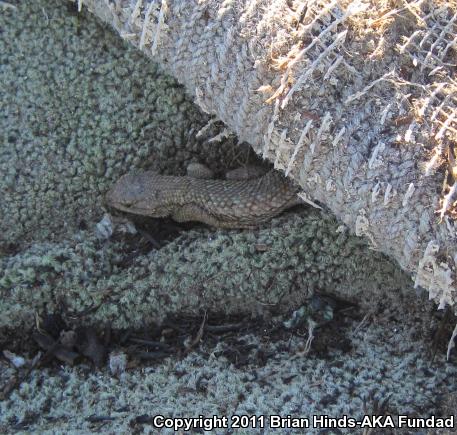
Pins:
x: 75, y: 115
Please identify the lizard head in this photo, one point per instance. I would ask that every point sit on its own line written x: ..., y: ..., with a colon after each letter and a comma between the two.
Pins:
x: 139, y: 193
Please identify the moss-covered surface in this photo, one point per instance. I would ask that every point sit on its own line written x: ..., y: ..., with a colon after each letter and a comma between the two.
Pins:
x: 274, y: 268
x: 381, y: 369
x: 76, y: 114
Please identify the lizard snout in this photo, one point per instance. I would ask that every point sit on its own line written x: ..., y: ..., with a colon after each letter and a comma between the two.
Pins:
x: 126, y: 192
x: 136, y: 193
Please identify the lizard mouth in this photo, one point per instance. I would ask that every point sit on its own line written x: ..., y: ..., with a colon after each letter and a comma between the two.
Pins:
x: 134, y: 207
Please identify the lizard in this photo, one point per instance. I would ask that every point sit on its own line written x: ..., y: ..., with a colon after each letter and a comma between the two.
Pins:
x: 219, y: 203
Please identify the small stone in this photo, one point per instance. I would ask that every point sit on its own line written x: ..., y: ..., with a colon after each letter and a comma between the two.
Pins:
x: 117, y: 363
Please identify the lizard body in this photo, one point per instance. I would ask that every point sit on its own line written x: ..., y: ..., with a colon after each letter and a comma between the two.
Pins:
x: 219, y: 203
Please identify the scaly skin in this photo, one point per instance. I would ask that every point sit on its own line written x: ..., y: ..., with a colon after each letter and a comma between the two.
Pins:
x: 219, y: 203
